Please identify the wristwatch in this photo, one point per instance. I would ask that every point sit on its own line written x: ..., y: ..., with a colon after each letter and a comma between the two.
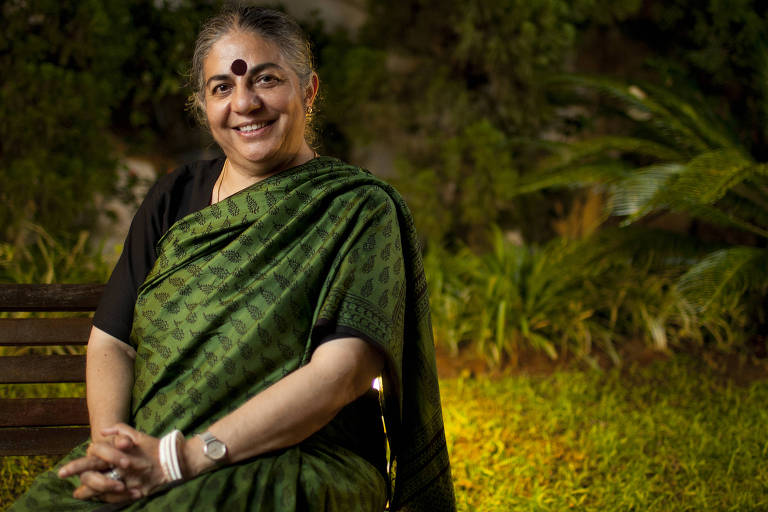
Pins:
x: 213, y: 448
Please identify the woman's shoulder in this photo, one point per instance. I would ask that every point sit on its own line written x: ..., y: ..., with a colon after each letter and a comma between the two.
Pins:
x: 182, y: 191
x: 193, y: 174
x: 365, y: 179
x: 377, y: 192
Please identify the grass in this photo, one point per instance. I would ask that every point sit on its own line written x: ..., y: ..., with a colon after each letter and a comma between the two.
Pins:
x: 669, y: 437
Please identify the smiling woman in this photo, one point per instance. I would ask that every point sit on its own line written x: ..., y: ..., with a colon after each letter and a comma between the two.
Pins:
x: 256, y: 299
x: 257, y: 116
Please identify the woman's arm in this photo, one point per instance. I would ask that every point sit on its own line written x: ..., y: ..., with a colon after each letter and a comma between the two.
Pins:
x: 294, y: 407
x: 283, y: 415
x: 108, y: 380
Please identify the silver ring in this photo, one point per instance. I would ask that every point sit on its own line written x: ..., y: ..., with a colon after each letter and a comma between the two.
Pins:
x: 114, y: 474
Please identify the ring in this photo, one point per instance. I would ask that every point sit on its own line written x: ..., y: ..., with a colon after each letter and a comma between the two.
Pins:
x: 113, y: 474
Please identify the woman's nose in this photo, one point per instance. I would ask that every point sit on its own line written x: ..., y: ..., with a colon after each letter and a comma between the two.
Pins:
x: 245, y: 100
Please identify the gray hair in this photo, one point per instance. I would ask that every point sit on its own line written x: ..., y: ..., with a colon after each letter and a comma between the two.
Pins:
x: 274, y: 26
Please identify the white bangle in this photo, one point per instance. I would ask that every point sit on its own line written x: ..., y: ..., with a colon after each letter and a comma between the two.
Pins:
x: 168, y: 453
x: 177, y: 439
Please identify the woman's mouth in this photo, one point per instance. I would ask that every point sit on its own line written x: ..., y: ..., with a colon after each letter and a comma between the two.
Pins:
x: 253, y: 128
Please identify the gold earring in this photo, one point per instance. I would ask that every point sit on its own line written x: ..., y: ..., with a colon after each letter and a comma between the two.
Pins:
x: 309, y: 110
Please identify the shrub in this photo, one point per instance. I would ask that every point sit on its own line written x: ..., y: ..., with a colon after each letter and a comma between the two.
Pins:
x: 579, y: 297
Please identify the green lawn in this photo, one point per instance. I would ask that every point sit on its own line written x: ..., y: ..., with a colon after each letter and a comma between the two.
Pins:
x: 668, y: 437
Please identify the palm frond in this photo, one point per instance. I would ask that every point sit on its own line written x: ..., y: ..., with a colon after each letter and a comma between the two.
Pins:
x: 707, y: 177
x: 730, y: 271
x: 726, y: 218
x: 656, y: 249
x: 696, y: 188
x: 575, y: 176
x: 566, y: 154
x: 672, y: 117
x: 697, y: 116
x: 638, y: 194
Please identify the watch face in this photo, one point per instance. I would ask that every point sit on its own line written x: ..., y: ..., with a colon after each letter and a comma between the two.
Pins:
x: 216, y: 450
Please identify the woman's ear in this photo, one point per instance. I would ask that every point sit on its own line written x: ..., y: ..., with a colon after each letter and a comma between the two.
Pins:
x: 311, y: 91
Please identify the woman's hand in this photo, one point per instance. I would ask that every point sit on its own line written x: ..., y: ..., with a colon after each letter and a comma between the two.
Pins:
x: 91, y: 469
x: 135, y: 456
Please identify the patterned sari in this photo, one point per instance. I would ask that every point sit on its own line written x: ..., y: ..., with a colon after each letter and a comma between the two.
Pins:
x: 241, y: 294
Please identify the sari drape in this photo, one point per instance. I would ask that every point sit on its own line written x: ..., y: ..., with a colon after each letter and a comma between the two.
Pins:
x: 240, y: 295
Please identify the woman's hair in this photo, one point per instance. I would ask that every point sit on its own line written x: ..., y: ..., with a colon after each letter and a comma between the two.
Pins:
x: 274, y: 26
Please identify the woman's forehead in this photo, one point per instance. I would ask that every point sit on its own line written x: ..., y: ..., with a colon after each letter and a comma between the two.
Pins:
x: 251, y: 49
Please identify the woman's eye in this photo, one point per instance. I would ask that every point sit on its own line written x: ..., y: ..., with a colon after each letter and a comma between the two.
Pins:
x: 220, y: 89
x: 267, y: 81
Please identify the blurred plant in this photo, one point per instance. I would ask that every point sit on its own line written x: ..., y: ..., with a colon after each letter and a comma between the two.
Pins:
x: 708, y: 43
x: 466, y: 188
x: 42, y: 259
x: 80, y: 81
x: 60, y: 66
x: 579, y: 297
x: 444, y: 98
x: 682, y: 159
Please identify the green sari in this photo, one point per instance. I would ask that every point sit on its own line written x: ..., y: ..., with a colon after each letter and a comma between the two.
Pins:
x: 241, y: 294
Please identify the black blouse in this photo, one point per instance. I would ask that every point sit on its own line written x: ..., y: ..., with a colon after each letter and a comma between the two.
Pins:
x: 174, y: 196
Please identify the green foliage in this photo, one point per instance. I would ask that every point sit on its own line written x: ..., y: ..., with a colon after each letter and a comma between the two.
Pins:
x: 466, y: 188
x: 729, y: 288
x: 447, y: 94
x: 152, y: 114
x: 686, y: 160
x: 43, y: 259
x: 74, y: 75
x: 670, y: 437
x: 580, y: 297
x: 60, y: 66
x: 348, y: 72
x: 709, y: 43
x: 480, y: 63
x: 479, y: 59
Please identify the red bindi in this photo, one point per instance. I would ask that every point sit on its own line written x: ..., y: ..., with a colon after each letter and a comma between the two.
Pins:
x: 239, y: 67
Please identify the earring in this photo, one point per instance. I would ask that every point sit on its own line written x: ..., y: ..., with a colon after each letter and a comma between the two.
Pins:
x: 309, y: 110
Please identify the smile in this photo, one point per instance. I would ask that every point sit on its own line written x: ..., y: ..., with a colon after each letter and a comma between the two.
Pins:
x: 250, y: 128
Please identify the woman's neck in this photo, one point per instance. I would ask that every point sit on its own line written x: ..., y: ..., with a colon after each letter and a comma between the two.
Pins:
x: 234, y: 178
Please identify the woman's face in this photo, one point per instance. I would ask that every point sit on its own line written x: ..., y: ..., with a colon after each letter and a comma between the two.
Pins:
x: 257, y: 117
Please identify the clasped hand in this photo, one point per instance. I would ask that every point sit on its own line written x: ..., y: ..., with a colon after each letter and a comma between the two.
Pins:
x: 135, y: 456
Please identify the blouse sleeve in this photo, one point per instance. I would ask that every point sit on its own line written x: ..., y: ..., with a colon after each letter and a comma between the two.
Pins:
x: 114, y: 314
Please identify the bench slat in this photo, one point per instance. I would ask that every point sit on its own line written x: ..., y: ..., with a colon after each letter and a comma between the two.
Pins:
x: 41, y: 441
x: 50, y: 297
x: 44, y: 426
x: 44, y: 331
x: 34, y: 368
x: 43, y: 412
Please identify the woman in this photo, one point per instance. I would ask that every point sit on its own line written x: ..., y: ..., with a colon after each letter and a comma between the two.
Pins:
x: 256, y: 299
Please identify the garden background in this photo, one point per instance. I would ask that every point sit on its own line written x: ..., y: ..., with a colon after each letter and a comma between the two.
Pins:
x: 588, y: 178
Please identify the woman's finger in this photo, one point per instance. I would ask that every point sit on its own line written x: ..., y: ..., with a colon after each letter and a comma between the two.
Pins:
x: 122, y: 429
x: 94, y: 483
x: 108, y: 453
x: 82, y: 464
x: 137, y: 464
x: 123, y: 442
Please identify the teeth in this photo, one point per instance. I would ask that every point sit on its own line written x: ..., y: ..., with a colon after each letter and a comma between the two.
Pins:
x: 254, y: 126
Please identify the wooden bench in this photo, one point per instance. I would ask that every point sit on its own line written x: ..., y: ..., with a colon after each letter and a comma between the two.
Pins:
x: 44, y: 426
